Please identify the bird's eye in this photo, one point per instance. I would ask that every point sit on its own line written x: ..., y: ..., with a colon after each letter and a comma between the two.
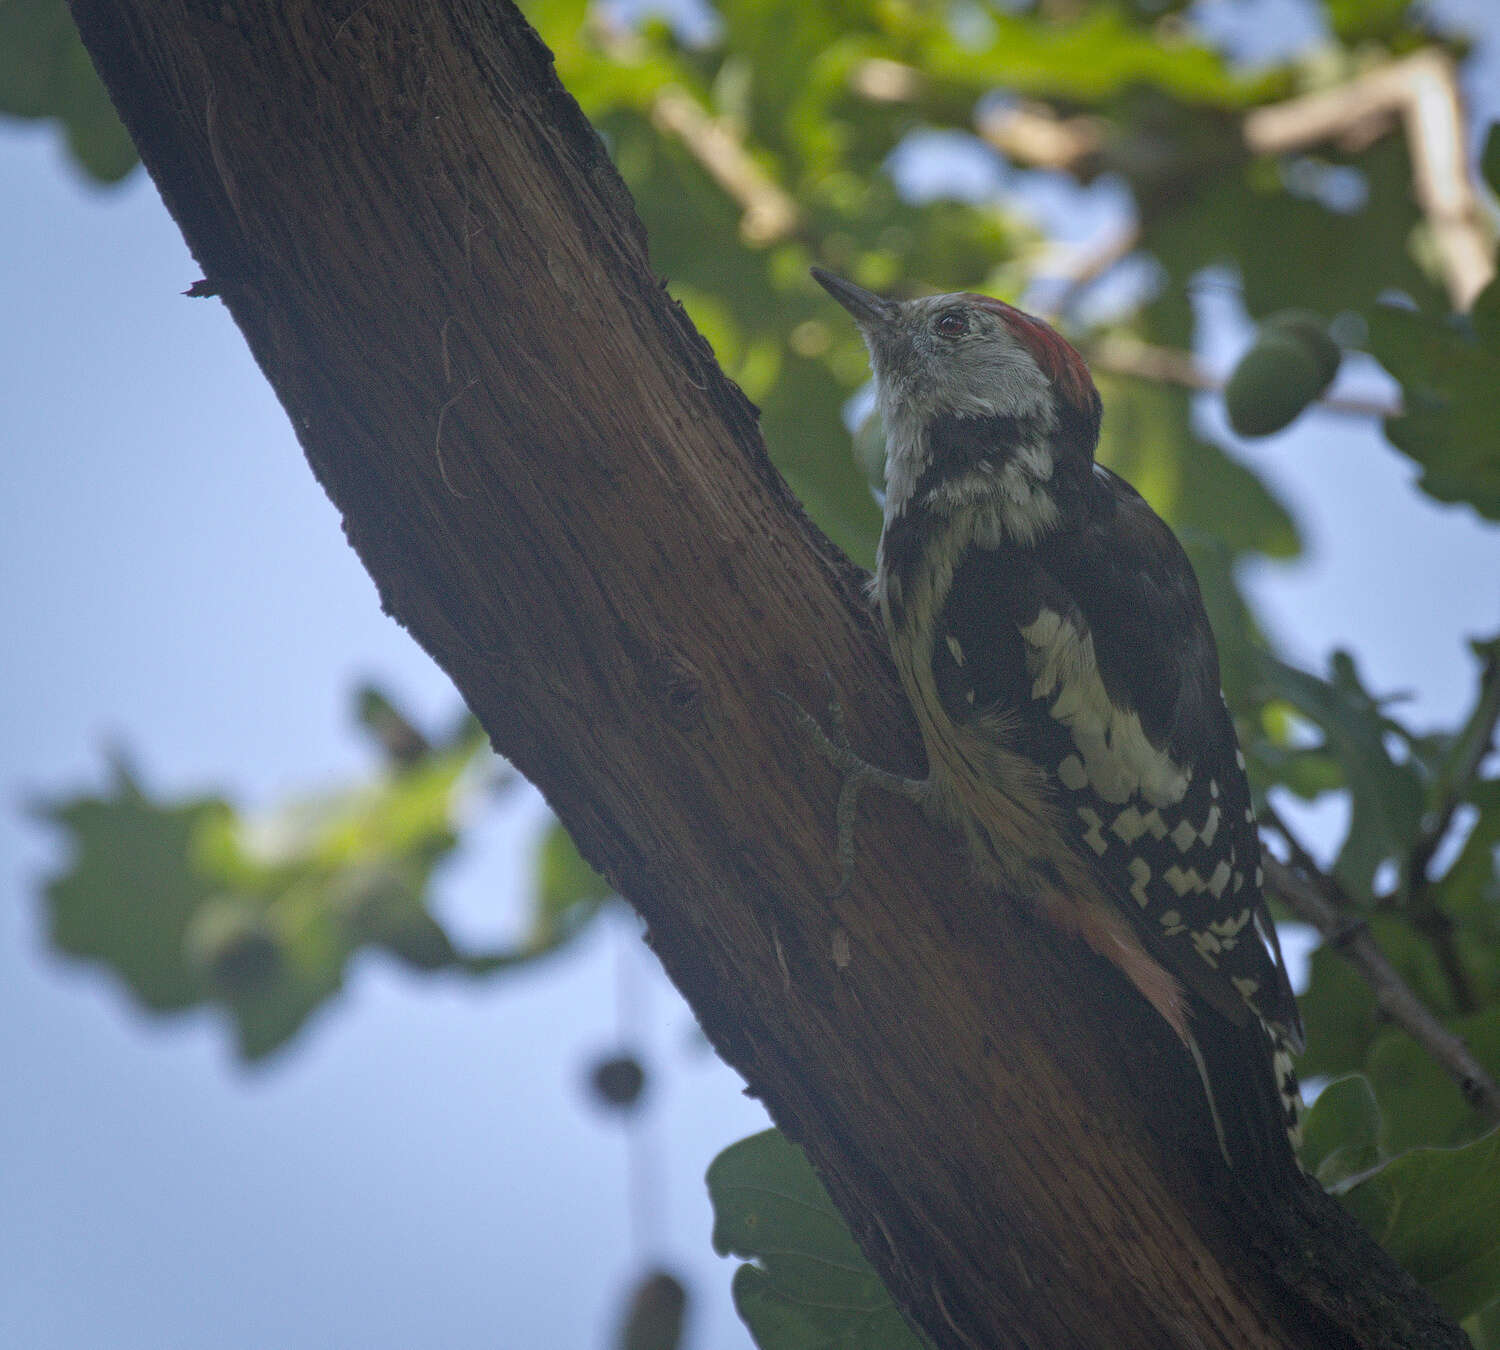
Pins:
x: 951, y: 324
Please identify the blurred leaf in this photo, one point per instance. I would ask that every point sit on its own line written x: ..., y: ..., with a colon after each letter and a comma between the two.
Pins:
x: 1470, y: 889
x: 233, y: 945
x: 132, y: 886
x: 1364, y: 20
x: 1387, y: 796
x: 1484, y: 1327
x: 1307, y: 773
x: 1450, y: 383
x: 395, y: 733
x: 1489, y: 161
x: 1420, y: 1103
x: 45, y: 72
x: 1193, y: 485
x: 1340, y: 1135
x: 1098, y: 54
x: 569, y: 891
x: 192, y: 903
x: 810, y: 1287
x: 1435, y: 1211
x: 1243, y: 213
x: 1338, y: 1010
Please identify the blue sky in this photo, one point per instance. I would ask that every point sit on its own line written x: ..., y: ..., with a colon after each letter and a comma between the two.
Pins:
x: 422, y: 1169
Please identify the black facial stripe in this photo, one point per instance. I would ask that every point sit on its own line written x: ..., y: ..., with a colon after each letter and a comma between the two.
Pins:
x: 957, y: 445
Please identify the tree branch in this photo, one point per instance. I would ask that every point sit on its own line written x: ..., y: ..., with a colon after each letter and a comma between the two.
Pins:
x: 397, y: 202
x: 1350, y: 936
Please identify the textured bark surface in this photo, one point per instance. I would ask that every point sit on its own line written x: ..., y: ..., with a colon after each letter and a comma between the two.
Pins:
x: 566, y: 503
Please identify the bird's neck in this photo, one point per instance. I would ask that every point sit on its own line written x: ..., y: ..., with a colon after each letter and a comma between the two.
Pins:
x: 999, y: 472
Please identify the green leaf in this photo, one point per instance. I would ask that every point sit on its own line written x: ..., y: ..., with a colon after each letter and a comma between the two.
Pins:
x: 1420, y: 1103
x: 45, y: 72
x: 1470, y: 889
x: 1451, y: 390
x: 1435, y: 1211
x: 810, y: 1287
x: 1489, y: 160
x: 1338, y: 1010
x: 132, y: 886
x: 1367, y: 20
x: 1194, y: 485
x: 568, y: 892
x: 1484, y: 1327
x: 192, y: 903
x: 1387, y: 797
x: 1341, y: 1133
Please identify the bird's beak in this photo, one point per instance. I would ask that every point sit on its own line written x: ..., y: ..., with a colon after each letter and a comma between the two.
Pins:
x: 869, y: 310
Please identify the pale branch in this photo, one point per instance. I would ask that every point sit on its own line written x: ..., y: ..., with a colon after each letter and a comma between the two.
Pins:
x: 1075, y: 270
x: 769, y: 213
x: 1423, y: 91
x: 1032, y: 134
x: 618, y: 582
x: 1350, y: 936
x: 1419, y: 92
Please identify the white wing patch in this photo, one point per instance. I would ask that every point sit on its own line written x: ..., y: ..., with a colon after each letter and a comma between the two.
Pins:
x: 1092, y: 837
x: 1118, y: 759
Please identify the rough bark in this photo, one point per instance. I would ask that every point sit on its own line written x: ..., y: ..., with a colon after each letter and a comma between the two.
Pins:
x: 562, y: 498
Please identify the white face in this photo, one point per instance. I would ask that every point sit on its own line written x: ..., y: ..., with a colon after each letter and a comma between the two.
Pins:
x: 949, y: 354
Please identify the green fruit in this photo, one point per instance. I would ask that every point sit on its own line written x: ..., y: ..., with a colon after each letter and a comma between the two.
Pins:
x: 1313, y: 330
x: 1274, y: 381
x: 231, y: 944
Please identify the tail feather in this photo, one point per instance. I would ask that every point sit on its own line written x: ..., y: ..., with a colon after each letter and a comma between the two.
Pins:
x: 1252, y: 1091
x: 1287, y: 1086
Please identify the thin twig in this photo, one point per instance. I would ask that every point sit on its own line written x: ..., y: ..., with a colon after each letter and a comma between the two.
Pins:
x: 1083, y: 269
x: 1351, y: 937
x: 1167, y: 365
x: 770, y: 214
x: 1303, y: 861
x: 1481, y: 740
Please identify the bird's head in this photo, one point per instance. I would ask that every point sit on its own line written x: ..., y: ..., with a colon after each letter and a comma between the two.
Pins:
x: 970, y: 356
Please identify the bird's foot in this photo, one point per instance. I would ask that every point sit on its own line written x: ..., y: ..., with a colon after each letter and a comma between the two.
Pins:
x: 857, y: 774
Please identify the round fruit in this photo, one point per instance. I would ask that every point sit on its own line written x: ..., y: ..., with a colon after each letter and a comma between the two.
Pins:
x: 1274, y: 381
x: 1313, y: 330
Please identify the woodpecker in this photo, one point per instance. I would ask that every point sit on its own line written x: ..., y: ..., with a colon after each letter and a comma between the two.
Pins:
x: 1051, y: 637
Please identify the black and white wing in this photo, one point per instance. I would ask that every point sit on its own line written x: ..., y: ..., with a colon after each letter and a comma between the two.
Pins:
x: 1096, y: 645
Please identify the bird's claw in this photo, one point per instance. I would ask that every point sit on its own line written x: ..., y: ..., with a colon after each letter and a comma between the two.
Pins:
x: 856, y: 772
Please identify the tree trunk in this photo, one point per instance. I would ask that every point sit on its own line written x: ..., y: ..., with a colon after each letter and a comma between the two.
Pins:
x: 564, y: 500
